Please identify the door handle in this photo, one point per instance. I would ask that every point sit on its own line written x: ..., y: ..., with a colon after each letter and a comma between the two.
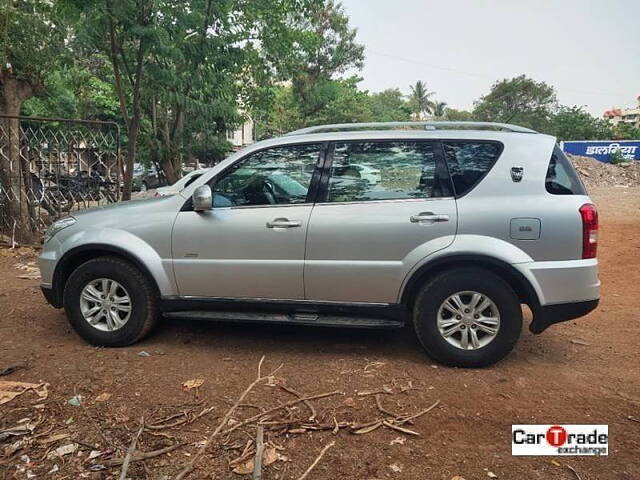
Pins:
x: 283, y: 223
x: 428, y: 217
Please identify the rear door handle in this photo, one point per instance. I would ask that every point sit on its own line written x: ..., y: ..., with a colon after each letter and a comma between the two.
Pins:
x: 428, y: 217
x: 283, y: 223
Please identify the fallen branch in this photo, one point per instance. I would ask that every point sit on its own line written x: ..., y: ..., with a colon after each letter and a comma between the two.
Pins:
x: 132, y: 447
x: 306, y: 402
x: 392, y: 426
x: 368, y: 428
x: 279, y: 407
x: 225, y: 419
x: 161, y: 424
x: 404, y: 420
x: 382, y: 409
x: 315, y: 462
x: 574, y: 472
x: 138, y: 456
x: 257, y: 463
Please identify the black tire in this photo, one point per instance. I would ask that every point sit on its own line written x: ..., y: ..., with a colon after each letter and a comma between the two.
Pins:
x: 445, y: 284
x: 143, y: 301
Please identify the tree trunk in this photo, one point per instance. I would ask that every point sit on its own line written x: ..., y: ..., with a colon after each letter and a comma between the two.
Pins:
x: 15, y: 175
x: 134, y: 130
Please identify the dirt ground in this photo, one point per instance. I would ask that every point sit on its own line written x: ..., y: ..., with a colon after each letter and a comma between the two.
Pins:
x: 584, y: 371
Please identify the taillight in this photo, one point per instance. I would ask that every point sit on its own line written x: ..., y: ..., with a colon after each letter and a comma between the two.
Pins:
x: 589, y: 216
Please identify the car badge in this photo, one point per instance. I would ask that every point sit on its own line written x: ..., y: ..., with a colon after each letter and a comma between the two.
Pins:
x: 517, y: 173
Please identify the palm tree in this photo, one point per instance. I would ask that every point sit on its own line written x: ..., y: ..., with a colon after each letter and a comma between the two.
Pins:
x: 438, y: 109
x: 420, y: 99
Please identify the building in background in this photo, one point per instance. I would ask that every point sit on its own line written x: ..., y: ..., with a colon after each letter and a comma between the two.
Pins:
x: 243, y: 135
x: 629, y: 116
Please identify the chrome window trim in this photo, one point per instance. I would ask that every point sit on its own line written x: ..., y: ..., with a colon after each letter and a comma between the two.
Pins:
x: 276, y: 205
x: 392, y: 200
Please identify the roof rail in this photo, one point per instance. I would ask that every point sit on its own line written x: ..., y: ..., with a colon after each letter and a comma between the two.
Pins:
x: 426, y: 125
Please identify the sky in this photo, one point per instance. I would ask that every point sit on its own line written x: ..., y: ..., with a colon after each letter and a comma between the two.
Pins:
x: 589, y: 50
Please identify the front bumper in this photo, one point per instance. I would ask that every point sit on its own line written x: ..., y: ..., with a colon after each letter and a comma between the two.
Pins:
x: 545, y: 316
x: 51, y: 297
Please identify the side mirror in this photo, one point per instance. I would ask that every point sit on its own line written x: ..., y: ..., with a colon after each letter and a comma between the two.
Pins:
x: 202, y: 198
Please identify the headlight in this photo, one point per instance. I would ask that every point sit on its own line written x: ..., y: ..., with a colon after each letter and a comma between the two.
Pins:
x: 57, y: 226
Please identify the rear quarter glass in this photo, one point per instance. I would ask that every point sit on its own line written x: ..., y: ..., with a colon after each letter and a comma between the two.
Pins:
x: 469, y: 161
x: 562, y: 178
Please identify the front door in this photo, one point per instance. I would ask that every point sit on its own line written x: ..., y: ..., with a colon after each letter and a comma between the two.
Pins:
x: 383, y: 207
x: 251, y: 244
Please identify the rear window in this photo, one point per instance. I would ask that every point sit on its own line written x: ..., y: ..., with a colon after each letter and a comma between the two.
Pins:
x: 562, y: 178
x: 469, y: 162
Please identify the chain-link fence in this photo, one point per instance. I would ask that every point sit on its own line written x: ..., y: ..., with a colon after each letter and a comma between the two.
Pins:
x: 50, y: 167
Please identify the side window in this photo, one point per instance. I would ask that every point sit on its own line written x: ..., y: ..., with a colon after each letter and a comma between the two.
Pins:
x: 276, y: 176
x: 562, y: 178
x: 469, y: 161
x: 391, y: 170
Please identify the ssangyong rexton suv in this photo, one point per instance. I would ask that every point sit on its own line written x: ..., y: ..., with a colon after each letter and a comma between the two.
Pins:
x: 450, y: 227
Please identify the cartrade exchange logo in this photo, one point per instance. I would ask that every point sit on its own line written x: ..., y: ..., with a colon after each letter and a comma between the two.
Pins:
x: 559, y: 440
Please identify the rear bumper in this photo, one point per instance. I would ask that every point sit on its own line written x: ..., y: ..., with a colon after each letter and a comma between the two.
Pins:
x: 545, y: 316
x: 563, y: 282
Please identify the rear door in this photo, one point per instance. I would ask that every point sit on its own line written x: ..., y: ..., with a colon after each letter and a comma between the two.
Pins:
x: 382, y: 207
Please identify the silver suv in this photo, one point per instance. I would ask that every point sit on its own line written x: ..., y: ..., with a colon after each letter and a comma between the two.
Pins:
x: 450, y: 227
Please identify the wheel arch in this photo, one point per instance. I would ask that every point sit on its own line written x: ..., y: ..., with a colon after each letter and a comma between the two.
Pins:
x: 521, y: 285
x: 75, y: 257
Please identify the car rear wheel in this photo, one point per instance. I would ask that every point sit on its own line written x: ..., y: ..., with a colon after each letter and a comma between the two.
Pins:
x: 467, y: 317
x: 109, y: 302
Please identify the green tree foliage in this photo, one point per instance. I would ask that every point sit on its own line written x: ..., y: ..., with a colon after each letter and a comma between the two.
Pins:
x: 420, y: 99
x: 624, y: 131
x: 439, y: 109
x: 389, y: 106
x: 81, y: 90
x: 573, y: 123
x: 455, y: 115
x: 320, y: 46
x: 519, y: 100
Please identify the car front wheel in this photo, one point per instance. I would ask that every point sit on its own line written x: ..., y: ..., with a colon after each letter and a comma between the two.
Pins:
x: 467, y: 317
x: 109, y: 302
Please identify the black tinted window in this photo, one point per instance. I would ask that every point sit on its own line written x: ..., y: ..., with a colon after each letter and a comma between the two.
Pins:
x: 392, y: 170
x: 469, y: 161
x: 562, y: 178
x: 276, y: 176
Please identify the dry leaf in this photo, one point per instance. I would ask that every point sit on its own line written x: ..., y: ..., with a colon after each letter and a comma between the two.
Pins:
x: 103, y: 397
x: 191, y: 384
x: 10, y: 390
x: 368, y: 429
x: 491, y: 475
x: 13, y: 448
x: 269, y: 456
x: 64, y: 450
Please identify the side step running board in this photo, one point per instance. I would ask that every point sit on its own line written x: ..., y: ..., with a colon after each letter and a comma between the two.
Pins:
x: 291, y: 319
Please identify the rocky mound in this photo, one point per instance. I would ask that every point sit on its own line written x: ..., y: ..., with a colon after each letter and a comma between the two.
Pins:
x: 599, y: 174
